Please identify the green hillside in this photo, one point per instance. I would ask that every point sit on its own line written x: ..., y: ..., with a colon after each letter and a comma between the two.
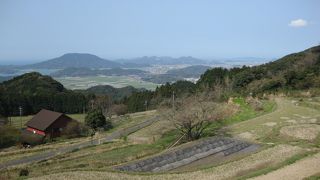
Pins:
x: 295, y: 71
x: 33, y: 91
x: 115, y: 93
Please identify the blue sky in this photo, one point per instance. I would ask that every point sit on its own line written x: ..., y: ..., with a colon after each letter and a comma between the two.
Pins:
x: 43, y: 29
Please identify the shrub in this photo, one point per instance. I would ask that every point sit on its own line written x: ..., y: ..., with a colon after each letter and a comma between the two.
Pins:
x: 119, y: 109
x: 24, y: 172
x: 74, y: 129
x: 95, y: 119
x: 9, y: 136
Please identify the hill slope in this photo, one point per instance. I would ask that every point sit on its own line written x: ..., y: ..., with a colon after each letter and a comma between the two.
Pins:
x: 190, y: 71
x: 76, y: 60
x: 33, y: 91
x: 115, y: 93
x: 295, y: 71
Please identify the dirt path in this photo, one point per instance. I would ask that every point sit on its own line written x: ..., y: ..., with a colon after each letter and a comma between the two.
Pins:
x: 299, y: 170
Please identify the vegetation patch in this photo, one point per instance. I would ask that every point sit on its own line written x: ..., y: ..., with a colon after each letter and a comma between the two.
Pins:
x: 304, y: 131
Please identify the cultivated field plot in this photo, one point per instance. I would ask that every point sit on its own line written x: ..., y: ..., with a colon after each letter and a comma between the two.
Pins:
x: 115, y: 81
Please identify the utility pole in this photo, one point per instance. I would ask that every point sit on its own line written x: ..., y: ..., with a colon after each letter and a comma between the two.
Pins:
x: 92, y: 102
x: 146, y: 104
x: 173, y: 108
x: 173, y: 100
x: 20, y: 112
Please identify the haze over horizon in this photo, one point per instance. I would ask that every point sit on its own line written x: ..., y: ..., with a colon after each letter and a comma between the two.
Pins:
x: 40, y: 30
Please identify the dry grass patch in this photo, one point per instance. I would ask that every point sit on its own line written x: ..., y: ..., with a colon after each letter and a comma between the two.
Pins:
x: 246, y: 136
x: 275, y: 155
x: 299, y: 170
x: 303, y: 131
x: 151, y: 133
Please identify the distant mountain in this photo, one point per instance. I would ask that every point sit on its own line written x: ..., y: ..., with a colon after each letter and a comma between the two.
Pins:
x: 80, y: 72
x: 115, y: 93
x: 189, y: 72
x: 163, y: 60
x: 76, y: 60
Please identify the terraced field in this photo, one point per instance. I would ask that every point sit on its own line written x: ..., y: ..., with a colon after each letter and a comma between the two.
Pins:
x: 289, y: 138
x: 119, y: 123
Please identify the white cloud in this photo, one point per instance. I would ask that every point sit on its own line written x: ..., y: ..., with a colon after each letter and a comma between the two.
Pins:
x: 298, y: 23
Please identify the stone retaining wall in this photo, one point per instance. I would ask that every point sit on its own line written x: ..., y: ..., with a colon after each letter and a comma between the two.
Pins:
x: 173, y: 159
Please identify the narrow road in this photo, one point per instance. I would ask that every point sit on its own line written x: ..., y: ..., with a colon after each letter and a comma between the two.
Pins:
x: 63, y: 150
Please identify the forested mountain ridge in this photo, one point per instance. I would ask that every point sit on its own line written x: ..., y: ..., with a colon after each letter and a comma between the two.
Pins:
x: 115, y: 93
x: 189, y: 72
x: 295, y: 71
x: 33, y: 91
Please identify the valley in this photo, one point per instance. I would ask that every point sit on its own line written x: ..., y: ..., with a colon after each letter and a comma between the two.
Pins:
x: 115, y: 81
x: 159, y: 90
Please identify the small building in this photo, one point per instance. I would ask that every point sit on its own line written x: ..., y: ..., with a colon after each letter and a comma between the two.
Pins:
x: 48, y: 123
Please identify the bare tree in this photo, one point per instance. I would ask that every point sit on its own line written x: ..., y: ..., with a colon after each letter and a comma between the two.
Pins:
x: 192, y: 115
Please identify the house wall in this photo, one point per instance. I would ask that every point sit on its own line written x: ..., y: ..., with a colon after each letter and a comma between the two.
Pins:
x: 36, y: 131
x: 58, y: 126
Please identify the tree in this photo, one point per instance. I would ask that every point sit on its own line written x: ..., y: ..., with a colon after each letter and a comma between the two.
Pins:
x: 192, y: 116
x: 119, y: 109
x: 9, y: 136
x: 95, y: 119
x: 74, y: 129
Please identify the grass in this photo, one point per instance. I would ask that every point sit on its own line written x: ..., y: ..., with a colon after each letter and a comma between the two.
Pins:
x: 314, y: 177
x: 310, y: 102
x: 269, y: 168
x: 248, y: 112
x: 115, y: 81
x: 130, y: 120
x: 262, y: 131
